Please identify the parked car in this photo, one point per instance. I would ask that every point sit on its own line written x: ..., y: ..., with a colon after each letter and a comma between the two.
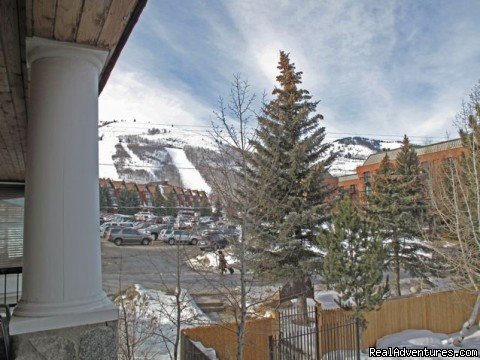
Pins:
x: 105, y: 227
x: 168, y: 219
x: 120, y: 236
x: 155, y: 229
x: 231, y: 231
x: 182, y: 237
x: 212, y: 241
x: 144, y: 216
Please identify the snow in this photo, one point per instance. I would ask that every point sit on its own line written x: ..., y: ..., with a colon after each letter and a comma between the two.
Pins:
x: 190, y: 176
x: 327, y: 299
x: 209, y: 260
x: 106, y: 149
x: 152, y: 318
x: 419, y: 339
x: 352, y: 155
x: 168, y: 136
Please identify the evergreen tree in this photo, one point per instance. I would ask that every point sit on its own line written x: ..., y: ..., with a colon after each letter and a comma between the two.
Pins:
x: 171, y: 204
x: 217, y: 214
x: 289, y: 150
x: 396, y: 206
x: 206, y: 209
x: 159, y: 202
x: 106, y: 202
x: 128, y: 202
x: 354, y: 260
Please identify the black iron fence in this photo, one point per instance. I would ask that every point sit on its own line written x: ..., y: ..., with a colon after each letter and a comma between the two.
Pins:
x: 304, y: 335
x: 189, y: 350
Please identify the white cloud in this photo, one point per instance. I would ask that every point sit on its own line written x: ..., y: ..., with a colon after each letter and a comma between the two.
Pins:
x: 134, y: 95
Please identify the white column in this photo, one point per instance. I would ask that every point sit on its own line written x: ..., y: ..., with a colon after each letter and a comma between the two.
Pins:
x: 62, y: 283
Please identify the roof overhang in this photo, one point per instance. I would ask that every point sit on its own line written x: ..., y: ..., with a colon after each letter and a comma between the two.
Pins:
x: 105, y: 24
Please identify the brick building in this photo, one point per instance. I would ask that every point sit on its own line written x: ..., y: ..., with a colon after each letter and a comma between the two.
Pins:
x: 360, y: 182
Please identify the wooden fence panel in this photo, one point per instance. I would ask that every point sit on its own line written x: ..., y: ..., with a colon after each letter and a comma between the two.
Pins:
x: 442, y: 312
x: 223, y: 338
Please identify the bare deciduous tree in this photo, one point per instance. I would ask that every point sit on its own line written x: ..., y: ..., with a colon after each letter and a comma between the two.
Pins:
x: 455, y: 195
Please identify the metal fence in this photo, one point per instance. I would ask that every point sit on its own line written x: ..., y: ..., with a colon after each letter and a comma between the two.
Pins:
x: 189, y: 351
x: 304, y: 336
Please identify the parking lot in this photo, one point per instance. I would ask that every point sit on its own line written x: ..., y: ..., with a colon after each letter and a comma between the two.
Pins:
x: 155, y: 267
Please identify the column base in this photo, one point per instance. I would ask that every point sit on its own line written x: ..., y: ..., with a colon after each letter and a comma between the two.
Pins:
x: 28, y: 324
x: 87, y: 342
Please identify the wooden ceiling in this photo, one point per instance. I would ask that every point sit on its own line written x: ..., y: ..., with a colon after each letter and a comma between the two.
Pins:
x: 105, y: 24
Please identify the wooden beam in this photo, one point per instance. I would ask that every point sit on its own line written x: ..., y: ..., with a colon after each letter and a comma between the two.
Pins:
x: 67, y: 19
x: 12, y: 102
x: 120, y: 43
x: 44, y: 18
x: 117, y: 19
x: 93, y: 17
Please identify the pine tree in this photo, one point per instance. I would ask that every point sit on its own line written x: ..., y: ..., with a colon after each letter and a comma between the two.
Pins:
x: 289, y: 150
x: 217, y: 214
x: 354, y: 260
x: 159, y: 202
x: 171, y: 204
x: 106, y: 202
x: 128, y: 201
x: 396, y: 206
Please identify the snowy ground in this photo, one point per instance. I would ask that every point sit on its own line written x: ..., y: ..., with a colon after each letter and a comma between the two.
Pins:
x: 151, y: 318
x: 419, y: 339
x: 209, y: 261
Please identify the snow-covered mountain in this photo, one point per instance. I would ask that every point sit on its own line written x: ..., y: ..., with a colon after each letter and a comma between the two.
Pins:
x: 353, y: 151
x: 142, y: 152
x: 139, y: 152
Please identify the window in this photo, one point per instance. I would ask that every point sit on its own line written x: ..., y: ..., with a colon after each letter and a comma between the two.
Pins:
x: 115, y: 231
x: 367, y: 176
x: 11, y: 225
x: 129, y: 231
x: 353, y: 189
x: 368, y: 189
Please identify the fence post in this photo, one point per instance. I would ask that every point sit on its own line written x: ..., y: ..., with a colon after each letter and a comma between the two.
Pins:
x: 357, y: 331
x: 317, y: 334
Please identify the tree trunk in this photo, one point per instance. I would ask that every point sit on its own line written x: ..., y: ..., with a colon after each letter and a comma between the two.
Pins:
x: 243, y: 296
x: 396, y: 267
x: 302, y: 312
x: 469, y: 323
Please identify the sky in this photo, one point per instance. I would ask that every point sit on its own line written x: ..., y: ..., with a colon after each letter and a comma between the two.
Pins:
x: 380, y: 69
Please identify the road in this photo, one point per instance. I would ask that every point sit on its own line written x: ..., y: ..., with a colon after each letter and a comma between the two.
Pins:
x: 155, y: 267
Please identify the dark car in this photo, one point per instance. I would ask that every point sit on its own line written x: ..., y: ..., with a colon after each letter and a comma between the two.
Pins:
x: 121, y: 236
x: 212, y: 241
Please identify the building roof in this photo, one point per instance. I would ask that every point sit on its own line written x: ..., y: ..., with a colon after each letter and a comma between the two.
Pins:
x: 428, y: 149
x: 117, y: 184
x: 348, y: 177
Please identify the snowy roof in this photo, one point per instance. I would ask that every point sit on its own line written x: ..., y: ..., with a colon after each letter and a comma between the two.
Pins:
x: 428, y: 149
x: 348, y: 177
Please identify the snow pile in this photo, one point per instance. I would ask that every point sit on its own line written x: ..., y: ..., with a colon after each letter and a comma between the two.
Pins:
x: 419, y: 339
x: 190, y: 176
x: 327, y: 299
x: 148, y: 320
x: 209, y: 260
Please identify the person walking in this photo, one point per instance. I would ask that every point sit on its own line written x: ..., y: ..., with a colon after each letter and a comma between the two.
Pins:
x: 222, y: 263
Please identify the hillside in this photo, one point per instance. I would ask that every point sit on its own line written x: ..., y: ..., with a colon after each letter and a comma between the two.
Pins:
x: 141, y: 152
x: 352, y: 152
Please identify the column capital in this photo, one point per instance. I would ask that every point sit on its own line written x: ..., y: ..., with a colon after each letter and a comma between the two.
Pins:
x: 40, y: 48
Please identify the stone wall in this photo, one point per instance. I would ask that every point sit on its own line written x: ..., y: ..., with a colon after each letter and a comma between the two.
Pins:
x: 88, y: 342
